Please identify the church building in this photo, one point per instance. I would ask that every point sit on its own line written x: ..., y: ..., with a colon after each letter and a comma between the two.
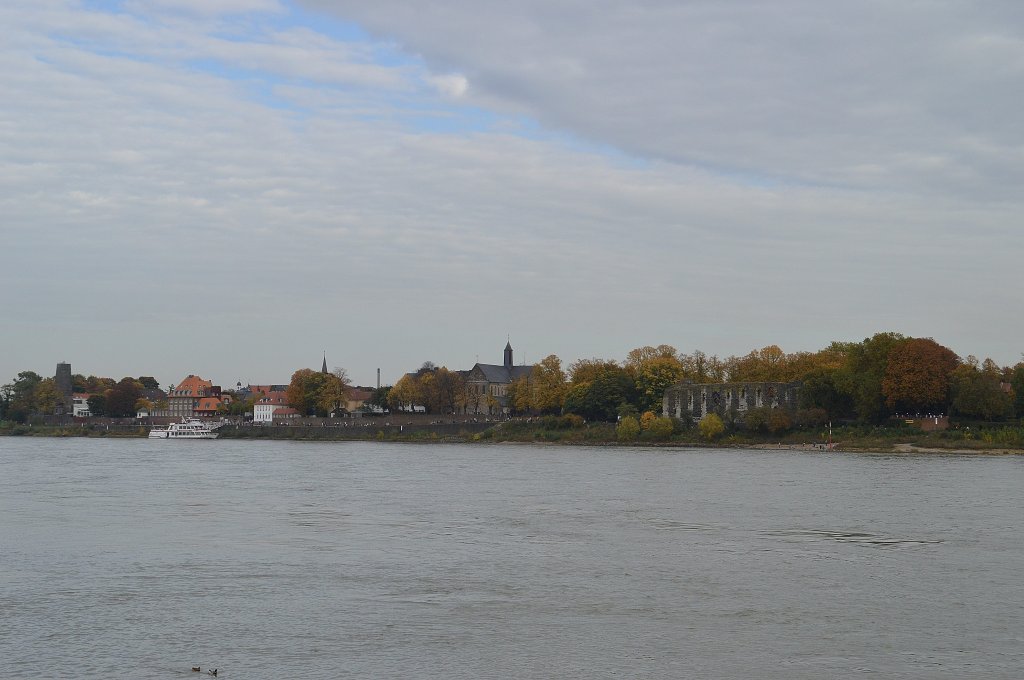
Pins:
x: 487, y: 384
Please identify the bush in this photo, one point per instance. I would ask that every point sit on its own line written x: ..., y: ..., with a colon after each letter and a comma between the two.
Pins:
x: 628, y: 429
x: 711, y: 426
x: 660, y: 429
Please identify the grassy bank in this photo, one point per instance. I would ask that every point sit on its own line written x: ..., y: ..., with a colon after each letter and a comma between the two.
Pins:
x: 566, y: 431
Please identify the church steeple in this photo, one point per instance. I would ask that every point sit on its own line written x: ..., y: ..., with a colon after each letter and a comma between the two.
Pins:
x: 324, y: 369
x: 508, y: 354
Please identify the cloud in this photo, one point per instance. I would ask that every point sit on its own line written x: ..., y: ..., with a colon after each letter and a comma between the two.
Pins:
x: 452, y: 85
x: 277, y: 190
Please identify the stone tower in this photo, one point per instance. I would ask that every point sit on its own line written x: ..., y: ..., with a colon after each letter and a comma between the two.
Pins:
x: 62, y: 380
x: 508, y: 354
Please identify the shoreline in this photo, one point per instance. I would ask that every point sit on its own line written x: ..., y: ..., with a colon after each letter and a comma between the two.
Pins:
x: 602, y: 435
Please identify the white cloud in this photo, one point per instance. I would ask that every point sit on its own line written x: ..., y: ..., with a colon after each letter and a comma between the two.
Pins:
x: 452, y: 85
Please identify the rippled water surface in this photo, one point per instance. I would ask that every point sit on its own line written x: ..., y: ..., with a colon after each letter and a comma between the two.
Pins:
x: 140, y: 559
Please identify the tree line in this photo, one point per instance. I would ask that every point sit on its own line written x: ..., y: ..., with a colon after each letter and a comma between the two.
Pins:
x: 867, y: 382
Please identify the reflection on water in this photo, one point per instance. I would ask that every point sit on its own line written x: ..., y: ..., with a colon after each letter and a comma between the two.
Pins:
x: 364, y: 560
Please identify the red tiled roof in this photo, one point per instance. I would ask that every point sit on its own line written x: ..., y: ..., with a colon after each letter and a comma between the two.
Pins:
x: 192, y: 386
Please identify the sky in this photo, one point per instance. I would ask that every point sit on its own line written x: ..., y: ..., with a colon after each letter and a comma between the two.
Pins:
x: 232, y: 188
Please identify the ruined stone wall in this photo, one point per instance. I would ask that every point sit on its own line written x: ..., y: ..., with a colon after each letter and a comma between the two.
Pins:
x: 697, y: 400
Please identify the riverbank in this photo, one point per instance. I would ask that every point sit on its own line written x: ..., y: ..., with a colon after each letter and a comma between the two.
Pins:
x: 996, y: 441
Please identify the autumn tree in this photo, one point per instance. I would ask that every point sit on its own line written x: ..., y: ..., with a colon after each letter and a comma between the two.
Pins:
x: 547, y: 385
x: 442, y: 390
x: 917, y: 376
x: 47, y: 397
x: 517, y: 395
x: 642, y: 355
x: 700, y: 368
x: 653, y: 376
x: 405, y: 394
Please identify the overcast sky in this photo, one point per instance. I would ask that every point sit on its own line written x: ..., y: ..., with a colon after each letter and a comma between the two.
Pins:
x: 232, y: 187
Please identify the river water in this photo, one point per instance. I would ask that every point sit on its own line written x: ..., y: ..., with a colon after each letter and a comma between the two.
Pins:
x: 141, y: 559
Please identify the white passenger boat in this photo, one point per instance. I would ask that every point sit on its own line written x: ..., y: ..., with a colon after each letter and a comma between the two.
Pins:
x: 186, y: 429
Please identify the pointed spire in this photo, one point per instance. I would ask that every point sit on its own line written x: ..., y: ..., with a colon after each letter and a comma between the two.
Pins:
x: 324, y: 369
x: 508, y: 354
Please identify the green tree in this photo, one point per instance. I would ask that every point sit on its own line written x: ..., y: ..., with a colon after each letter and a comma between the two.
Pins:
x: 978, y: 393
x: 148, y: 382
x: 97, y: 405
x: 600, y: 398
x: 1017, y: 385
x: 20, y: 399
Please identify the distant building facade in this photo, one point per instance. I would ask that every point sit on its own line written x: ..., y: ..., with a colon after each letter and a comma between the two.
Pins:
x: 691, y: 400
x: 193, y: 396
x: 487, y: 384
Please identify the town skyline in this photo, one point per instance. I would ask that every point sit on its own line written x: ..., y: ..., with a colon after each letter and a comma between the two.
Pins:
x: 230, y: 187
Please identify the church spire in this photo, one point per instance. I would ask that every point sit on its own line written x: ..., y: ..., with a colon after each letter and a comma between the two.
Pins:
x: 324, y: 369
x: 508, y: 354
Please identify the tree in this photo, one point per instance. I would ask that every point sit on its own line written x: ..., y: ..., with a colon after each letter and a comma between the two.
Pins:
x: 379, y: 398
x: 122, y: 397
x: 978, y: 393
x: 47, y: 397
x: 97, y: 405
x: 917, y: 376
x: 517, y: 395
x: 315, y: 393
x: 405, y: 394
x: 547, y: 385
x: 653, y: 376
x: 148, y: 382
x: 1017, y: 385
x: 600, y: 397
x: 711, y: 426
x: 20, y: 399
x: 642, y: 355
x: 700, y: 368
x: 820, y: 391
x: 442, y: 390
x: 862, y: 372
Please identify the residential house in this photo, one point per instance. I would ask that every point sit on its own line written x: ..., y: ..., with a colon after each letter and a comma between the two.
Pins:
x: 268, y: 403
